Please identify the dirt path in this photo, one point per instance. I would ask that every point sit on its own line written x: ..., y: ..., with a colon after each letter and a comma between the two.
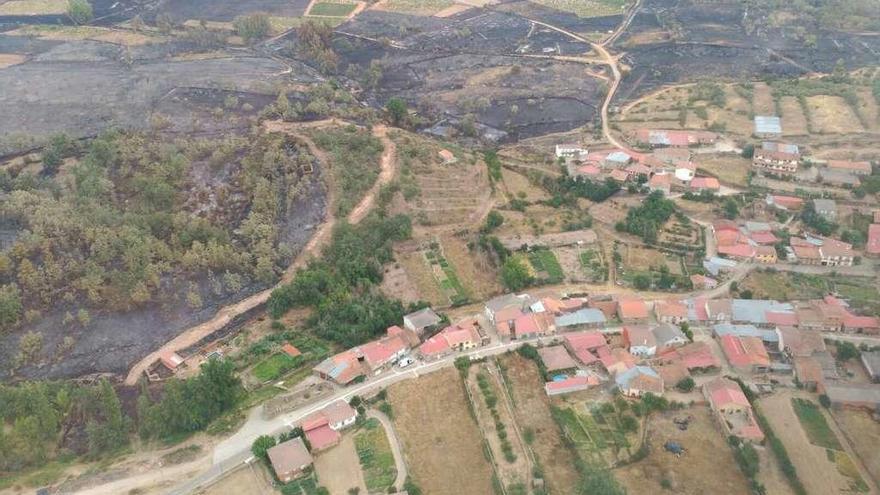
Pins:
x: 396, y: 448
x: 226, y: 314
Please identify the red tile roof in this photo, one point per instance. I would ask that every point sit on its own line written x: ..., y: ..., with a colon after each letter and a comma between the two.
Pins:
x: 864, y: 167
x: 585, y: 340
x: 764, y: 238
x: 572, y: 384
x: 671, y: 308
x: 378, y: 352
x: 724, y: 393
x: 740, y: 250
x: 873, y: 245
x: 705, y: 183
x: 787, y: 319
x: 291, y: 350
x: 856, y: 322
x: 322, y: 437
x: 632, y: 308
x: 791, y: 202
x: 744, y: 352
x: 697, y: 355
x: 526, y: 324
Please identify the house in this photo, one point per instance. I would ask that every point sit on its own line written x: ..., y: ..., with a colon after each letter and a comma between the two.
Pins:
x: 700, y: 184
x: 677, y: 139
x: 619, y: 175
x: 570, y: 384
x: 800, y: 343
x: 861, y: 324
x: 777, y: 158
x: 660, y: 182
x: 170, y: 360
x: 703, y: 282
x: 732, y: 409
x: 556, y: 358
x: 570, y: 151
x: 342, y: 368
x: 632, y: 310
x: 505, y: 302
x: 379, y: 355
x: 865, y: 396
x: 584, y: 344
x: 808, y: 372
x: 871, y: 362
x: 671, y: 371
x: 447, y: 156
x: 826, y: 208
x: 831, y: 251
x: 872, y: 247
x: 696, y: 357
x: 685, y: 170
x: 582, y: 318
x: 290, y: 350
x: 616, y: 360
x: 784, y: 203
x: 422, y: 321
x: 290, y: 459
x: 671, y: 311
x: 767, y: 335
x: 839, y: 178
x: 745, y: 353
x: 462, y: 336
x: 638, y: 381
x: 856, y: 168
x: 639, y: 340
x: 668, y: 336
x: 322, y: 428
x: 618, y: 159
x: 768, y: 126
x: 530, y: 325
x: 434, y: 348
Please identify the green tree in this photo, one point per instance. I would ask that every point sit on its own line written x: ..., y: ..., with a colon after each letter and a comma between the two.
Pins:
x: 493, y: 221
x: 515, y: 274
x: 261, y: 447
x: 731, y: 208
x: 748, y: 151
x: 397, y: 110
x: 846, y: 351
x: 641, y: 281
x: 686, y: 330
x: 253, y: 27
x: 107, y: 430
x: 686, y: 384
x: 10, y: 306
x: 80, y: 11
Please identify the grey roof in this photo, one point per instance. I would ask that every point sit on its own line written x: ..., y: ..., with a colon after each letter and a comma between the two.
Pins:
x: 755, y: 310
x: 825, y: 204
x: 758, y: 226
x: 716, y: 264
x: 783, y: 147
x: 853, y: 393
x: 423, y: 318
x: 618, y: 156
x: 584, y: 316
x: 839, y: 176
x: 746, y: 331
x: 623, y: 378
x: 508, y: 300
x: 667, y: 333
x: 871, y: 360
x: 768, y: 124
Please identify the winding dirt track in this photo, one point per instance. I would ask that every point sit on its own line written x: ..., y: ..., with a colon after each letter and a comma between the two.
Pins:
x: 226, y: 314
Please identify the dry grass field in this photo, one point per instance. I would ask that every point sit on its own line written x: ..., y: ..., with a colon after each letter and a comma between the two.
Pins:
x: 421, y: 278
x: 587, y: 8
x: 794, y: 121
x: 33, y: 7
x: 397, y: 284
x: 414, y: 7
x: 250, y: 480
x: 831, y: 115
x: 441, y: 442
x: 732, y: 170
x: 763, y: 100
x: 864, y: 434
x: 338, y: 468
x: 473, y: 268
x: 533, y: 413
x: 75, y: 33
x: 706, y: 467
x: 10, y: 59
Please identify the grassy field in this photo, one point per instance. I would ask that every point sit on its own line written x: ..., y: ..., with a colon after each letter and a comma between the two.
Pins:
x: 445, y: 274
x: 729, y: 169
x: 329, y: 9
x: 784, y: 286
x: 33, y: 7
x: 864, y: 434
x: 275, y: 366
x: 815, y: 424
x: 377, y: 460
x: 587, y: 8
x: 598, y: 435
x: 355, y: 156
x: 416, y: 7
x: 433, y: 420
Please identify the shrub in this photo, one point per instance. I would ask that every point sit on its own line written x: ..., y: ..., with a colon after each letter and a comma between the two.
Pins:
x: 80, y: 11
x: 252, y: 27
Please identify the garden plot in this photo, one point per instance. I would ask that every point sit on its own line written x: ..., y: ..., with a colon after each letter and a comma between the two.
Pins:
x: 599, y: 435
x: 498, y: 427
x: 707, y: 465
x: 475, y: 270
x: 376, y: 457
x: 644, y: 268
x: 412, y: 260
x: 582, y: 264
x: 444, y: 273
x: 532, y: 409
x: 545, y: 266
x: 807, y: 438
x: 332, y: 9
x: 680, y: 233
x: 587, y: 8
x: 397, y: 284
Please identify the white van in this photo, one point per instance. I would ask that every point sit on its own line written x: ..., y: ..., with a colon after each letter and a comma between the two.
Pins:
x: 405, y: 361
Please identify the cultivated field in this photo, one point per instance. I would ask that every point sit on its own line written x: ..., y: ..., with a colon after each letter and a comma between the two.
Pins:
x: 414, y: 7
x: 440, y: 439
x: 532, y: 408
x: 706, y: 467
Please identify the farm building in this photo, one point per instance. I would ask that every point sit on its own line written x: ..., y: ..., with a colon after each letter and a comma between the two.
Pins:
x: 583, y: 345
x: 422, y: 321
x: 732, y: 409
x: 854, y: 395
x: 638, y: 381
x: 871, y: 362
x: 570, y: 384
x: 668, y: 336
x: 670, y: 311
x: 639, y: 340
x: 632, y: 310
x: 556, y: 358
x: 745, y: 353
x: 290, y: 459
x: 582, y: 318
x: 856, y: 168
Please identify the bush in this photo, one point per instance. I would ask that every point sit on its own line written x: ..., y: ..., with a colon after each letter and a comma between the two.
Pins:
x: 685, y: 384
x: 252, y: 27
x: 515, y: 274
x: 261, y: 447
x: 80, y: 11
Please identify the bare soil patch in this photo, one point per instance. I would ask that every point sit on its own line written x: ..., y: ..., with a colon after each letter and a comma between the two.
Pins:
x: 10, y: 59
x: 439, y: 436
x: 338, y: 468
x: 533, y: 413
x: 706, y: 467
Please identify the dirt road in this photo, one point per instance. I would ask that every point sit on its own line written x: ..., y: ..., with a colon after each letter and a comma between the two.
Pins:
x: 313, y: 248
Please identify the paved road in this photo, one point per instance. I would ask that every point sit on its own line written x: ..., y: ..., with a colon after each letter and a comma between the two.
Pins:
x: 396, y: 448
